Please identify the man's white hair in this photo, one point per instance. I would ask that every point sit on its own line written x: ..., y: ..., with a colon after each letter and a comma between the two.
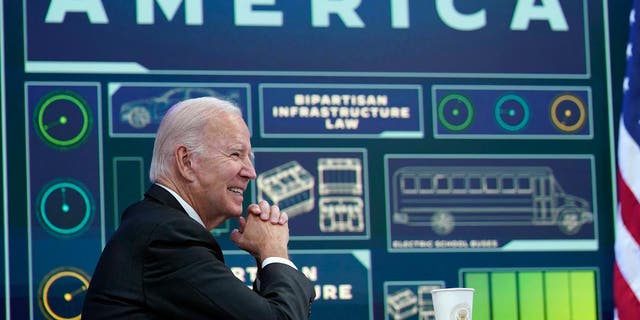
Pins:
x: 184, y: 124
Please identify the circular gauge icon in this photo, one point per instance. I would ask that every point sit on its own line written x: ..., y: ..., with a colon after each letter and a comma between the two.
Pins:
x: 62, y: 293
x: 568, y: 113
x: 455, y: 112
x: 511, y: 112
x: 65, y: 208
x: 63, y: 119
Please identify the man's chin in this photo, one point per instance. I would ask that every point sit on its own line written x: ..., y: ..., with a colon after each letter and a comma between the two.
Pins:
x: 237, y: 211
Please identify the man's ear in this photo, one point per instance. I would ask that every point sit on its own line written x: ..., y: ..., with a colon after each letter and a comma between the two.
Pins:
x: 184, y: 163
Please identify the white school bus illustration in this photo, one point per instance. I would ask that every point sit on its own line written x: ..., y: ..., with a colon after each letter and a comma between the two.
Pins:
x: 443, y: 197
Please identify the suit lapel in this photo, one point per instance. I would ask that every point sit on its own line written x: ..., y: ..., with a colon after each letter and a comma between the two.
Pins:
x: 159, y: 194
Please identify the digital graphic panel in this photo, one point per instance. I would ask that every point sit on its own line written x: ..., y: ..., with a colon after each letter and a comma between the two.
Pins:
x: 512, y: 112
x: 347, y: 111
x: 4, y: 234
x: 136, y: 109
x: 63, y: 122
x: 410, y: 300
x: 400, y: 38
x: 341, y: 279
x: 533, y: 294
x: 406, y: 140
x: 324, y: 191
x: 480, y: 202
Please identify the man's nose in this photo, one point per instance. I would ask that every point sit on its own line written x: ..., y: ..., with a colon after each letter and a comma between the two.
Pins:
x: 248, y: 171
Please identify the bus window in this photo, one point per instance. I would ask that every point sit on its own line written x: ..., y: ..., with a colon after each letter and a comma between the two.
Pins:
x: 490, y: 185
x: 524, y: 185
x: 458, y: 184
x: 507, y: 182
x: 442, y: 184
x: 408, y: 185
x: 425, y: 184
x: 475, y: 184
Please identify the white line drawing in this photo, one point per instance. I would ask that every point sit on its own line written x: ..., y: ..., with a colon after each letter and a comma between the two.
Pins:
x: 339, y: 184
x: 402, y: 304
x: 341, y: 214
x: 425, y: 302
x: 289, y: 186
x: 339, y: 176
x: 142, y: 112
x: 443, y: 197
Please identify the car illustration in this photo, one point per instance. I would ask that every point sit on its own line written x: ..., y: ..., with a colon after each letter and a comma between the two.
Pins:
x: 142, y: 112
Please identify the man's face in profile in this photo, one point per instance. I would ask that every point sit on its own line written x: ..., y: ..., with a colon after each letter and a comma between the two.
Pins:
x: 223, y: 172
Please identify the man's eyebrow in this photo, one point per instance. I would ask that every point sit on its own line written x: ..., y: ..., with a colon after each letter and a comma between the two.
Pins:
x: 241, y: 149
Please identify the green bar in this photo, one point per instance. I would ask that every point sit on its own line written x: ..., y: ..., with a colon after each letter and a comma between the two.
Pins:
x: 504, y: 296
x: 557, y: 295
x: 531, y: 295
x: 583, y: 295
x: 480, y: 282
x: 128, y: 179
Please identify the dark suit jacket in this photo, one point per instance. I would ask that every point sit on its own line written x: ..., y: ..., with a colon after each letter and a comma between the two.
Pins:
x: 161, y: 264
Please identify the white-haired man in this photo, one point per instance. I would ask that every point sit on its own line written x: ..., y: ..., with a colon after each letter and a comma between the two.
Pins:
x: 163, y: 262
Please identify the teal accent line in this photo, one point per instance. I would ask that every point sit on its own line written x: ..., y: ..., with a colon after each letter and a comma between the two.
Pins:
x: 5, y: 184
x: 364, y: 256
x: 84, y: 67
x: 43, y: 66
x: 551, y: 245
x: 612, y: 135
x: 113, y: 88
x: 401, y: 134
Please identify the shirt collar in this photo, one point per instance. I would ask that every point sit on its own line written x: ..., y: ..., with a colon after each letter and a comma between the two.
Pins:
x: 189, y: 209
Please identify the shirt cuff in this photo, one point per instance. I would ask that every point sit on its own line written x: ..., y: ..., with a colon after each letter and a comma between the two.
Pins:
x: 271, y: 260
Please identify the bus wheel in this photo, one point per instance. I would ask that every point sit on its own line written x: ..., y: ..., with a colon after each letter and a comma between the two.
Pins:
x: 569, y: 221
x: 442, y: 223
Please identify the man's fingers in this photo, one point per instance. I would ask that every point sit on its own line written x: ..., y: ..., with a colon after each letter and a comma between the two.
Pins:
x: 284, y: 217
x: 264, y: 210
x: 254, y: 209
x: 242, y: 222
x: 268, y: 213
x: 236, y: 236
x: 274, y: 216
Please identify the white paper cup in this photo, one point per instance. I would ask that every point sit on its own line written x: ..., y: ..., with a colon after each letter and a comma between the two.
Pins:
x: 452, y: 303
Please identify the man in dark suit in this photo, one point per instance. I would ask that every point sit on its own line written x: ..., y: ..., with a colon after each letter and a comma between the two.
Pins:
x: 163, y: 262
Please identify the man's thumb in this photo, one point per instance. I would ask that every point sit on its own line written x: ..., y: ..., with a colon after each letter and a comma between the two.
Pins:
x: 235, y: 236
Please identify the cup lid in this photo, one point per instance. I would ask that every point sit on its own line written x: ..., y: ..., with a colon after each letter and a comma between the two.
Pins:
x: 452, y: 289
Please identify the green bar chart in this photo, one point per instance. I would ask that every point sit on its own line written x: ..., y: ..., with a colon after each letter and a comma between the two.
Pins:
x: 533, y: 294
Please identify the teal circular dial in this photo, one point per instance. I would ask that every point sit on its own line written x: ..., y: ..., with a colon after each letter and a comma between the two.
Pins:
x: 63, y: 119
x: 512, y: 112
x: 65, y: 208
